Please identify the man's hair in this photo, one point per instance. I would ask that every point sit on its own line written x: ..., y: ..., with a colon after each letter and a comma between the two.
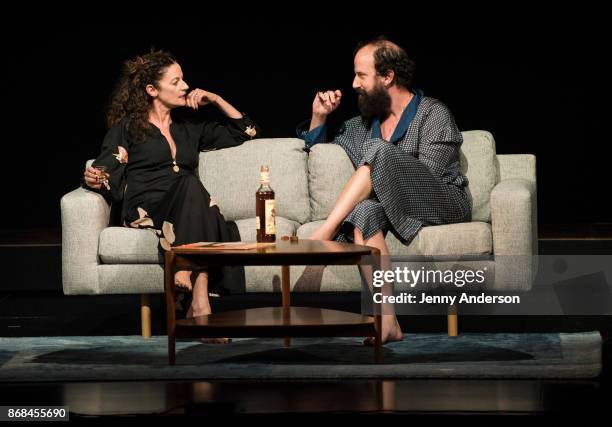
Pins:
x: 388, y: 56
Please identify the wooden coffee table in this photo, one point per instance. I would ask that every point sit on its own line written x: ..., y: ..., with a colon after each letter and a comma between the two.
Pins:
x: 281, y: 322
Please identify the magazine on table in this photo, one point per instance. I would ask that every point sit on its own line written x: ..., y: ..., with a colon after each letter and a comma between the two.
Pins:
x: 226, y: 245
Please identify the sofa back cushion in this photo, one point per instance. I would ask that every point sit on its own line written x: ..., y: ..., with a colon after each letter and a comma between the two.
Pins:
x: 479, y: 164
x: 231, y: 176
x: 329, y: 168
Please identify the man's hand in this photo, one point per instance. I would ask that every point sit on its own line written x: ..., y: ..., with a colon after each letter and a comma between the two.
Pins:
x: 325, y: 103
x: 198, y: 97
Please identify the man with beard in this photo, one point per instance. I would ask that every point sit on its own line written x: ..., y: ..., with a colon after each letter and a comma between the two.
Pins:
x: 405, y: 149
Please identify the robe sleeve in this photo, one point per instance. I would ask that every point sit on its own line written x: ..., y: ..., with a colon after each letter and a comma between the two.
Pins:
x: 343, y: 138
x: 440, y: 144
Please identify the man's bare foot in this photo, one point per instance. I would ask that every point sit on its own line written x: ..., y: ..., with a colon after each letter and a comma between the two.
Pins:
x: 216, y: 340
x: 182, y: 279
x: 391, y: 331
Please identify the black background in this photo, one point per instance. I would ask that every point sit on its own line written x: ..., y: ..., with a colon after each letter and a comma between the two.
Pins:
x: 538, y: 87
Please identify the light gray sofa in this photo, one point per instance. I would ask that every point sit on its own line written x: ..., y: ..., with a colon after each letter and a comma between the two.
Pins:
x: 97, y: 259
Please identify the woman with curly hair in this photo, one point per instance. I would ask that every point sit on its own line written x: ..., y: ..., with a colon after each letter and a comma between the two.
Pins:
x: 151, y: 160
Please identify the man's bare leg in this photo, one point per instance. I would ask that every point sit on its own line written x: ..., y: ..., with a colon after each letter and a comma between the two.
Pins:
x: 391, y: 330
x: 357, y: 189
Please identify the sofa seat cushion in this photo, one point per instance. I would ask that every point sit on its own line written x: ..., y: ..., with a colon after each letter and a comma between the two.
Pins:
x: 468, y: 238
x: 123, y: 245
x: 248, y: 230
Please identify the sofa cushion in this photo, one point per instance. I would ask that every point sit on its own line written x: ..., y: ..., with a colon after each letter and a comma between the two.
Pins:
x: 232, y: 177
x: 123, y: 245
x: 468, y: 238
x: 479, y: 164
x: 248, y: 230
x: 329, y: 168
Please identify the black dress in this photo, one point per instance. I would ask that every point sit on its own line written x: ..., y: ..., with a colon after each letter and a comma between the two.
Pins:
x: 166, y: 195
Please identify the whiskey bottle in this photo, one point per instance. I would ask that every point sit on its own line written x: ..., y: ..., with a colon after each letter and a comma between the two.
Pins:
x: 265, y: 208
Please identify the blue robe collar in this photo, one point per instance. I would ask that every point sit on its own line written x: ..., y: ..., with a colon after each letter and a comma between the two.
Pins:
x: 404, y: 122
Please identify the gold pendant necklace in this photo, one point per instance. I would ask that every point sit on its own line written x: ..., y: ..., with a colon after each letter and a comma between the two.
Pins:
x: 175, y: 168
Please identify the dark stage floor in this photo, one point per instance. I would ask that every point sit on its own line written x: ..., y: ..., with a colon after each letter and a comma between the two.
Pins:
x: 32, y: 304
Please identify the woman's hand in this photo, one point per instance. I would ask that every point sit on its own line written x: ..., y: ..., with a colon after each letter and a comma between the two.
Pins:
x: 94, y: 178
x: 198, y: 97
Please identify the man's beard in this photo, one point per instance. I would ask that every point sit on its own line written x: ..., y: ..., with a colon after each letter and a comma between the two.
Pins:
x: 376, y: 103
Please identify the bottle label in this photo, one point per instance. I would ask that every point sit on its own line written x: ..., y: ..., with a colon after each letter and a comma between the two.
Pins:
x: 270, y: 217
x: 264, y: 178
x: 257, y: 222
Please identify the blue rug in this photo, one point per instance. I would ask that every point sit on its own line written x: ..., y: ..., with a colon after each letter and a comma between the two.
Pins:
x: 470, y: 355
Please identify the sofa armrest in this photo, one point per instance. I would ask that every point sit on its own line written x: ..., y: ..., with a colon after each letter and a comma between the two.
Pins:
x: 84, y: 215
x: 514, y: 218
x: 515, y: 233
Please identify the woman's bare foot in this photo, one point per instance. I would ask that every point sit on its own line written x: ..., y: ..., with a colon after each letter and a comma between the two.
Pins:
x: 200, y: 305
x: 196, y: 311
x: 391, y: 331
x: 182, y: 279
x: 204, y: 311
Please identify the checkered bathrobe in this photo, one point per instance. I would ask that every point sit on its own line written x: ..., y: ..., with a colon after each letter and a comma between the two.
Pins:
x: 415, y: 183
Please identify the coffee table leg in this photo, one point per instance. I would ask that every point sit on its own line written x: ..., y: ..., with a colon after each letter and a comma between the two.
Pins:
x: 453, y: 324
x: 169, y: 287
x: 378, y: 355
x: 286, y: 293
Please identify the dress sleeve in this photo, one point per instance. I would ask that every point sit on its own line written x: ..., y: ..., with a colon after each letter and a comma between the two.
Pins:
x: 215, y: 136
x: 114, y: 156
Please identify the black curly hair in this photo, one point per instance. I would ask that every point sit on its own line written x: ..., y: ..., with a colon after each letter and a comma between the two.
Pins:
x: 388, y: 56
x: 130, y: 99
